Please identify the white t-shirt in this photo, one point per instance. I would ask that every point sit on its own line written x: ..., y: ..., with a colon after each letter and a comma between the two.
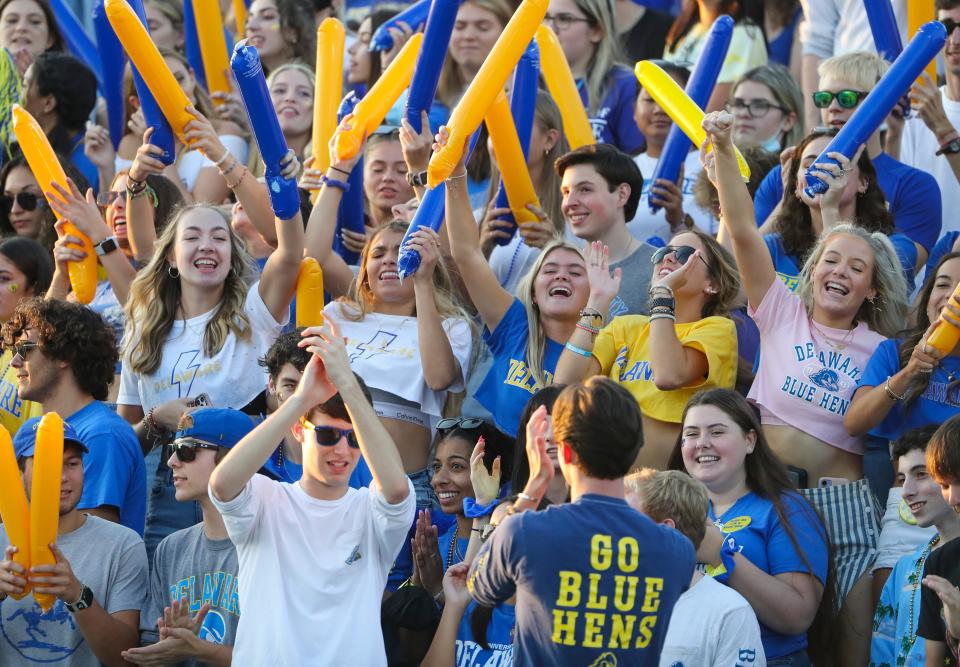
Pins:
x: 646, y: 224
x: 192, y: 161
x: 313, y: 572
x: 712, y: 625
x: 835, y: 27
x: 232, y: 378
x: 918, y: 148
x: 385, y: 351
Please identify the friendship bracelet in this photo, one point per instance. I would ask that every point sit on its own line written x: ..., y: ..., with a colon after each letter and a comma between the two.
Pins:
x: 334, y: 183
x: 243, y: 174
x: 135, y: 187
x: 592, y: 330
x: 226, y: 172
x: 345, y: 173
x: 890, y: 393
x: 579, y: 350
x: 455, y: 177
x: 663, y: 316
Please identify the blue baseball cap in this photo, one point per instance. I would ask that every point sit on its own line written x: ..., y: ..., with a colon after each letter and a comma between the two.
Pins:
x: 25, y: 441
x: 223, y: 427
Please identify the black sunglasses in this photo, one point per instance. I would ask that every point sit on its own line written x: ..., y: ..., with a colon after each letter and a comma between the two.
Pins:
x: 847, y: 99
x: 681, y: 252
x: 950, y: 25
x: 107, y: 198
x: 26, y: 200
x: 22, y: 348
x: 328, y: 436
x: 459, y: 422
x: 186, y: 450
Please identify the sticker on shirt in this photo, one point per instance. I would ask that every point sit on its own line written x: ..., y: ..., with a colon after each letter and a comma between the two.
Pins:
x: 36, y: 635
x: 734, y: 524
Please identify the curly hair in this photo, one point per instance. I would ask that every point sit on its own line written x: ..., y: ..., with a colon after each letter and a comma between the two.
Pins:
x: 74, y: 87
x: 795, y: 224
x: 297, y: 16
x: 70, y: 333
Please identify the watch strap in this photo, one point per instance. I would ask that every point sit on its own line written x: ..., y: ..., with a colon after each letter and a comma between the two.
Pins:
x: 417, y: 179
x: 86, y: 599
x: 950, y: 146
x: 106, y: 246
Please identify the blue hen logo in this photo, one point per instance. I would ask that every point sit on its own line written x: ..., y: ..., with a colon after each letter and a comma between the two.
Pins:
x: 826, y: 379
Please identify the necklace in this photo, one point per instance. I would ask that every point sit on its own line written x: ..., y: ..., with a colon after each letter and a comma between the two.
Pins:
x: 906, y: 644
x: 454, y: 550
x: 835, y: 344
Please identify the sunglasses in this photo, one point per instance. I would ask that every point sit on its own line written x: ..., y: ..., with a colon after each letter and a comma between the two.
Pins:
x: 107, y: 198
x: 186, y: 450
x: 847, y: 99
x: 328, y: 436
x: 22, y: 348
x: 681, y: 252
x: 950, y: 25
x: 26, y: 200
x: 459, y: 422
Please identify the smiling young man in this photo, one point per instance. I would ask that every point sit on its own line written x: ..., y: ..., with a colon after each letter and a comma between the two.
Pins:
x: 318, y: 550
x: 98, y: 580
x: 896, y: 618
x: 601, y: 188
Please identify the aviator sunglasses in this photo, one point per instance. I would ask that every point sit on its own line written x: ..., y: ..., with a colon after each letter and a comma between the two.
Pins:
x: 26, y: 200
x: 681, y: 252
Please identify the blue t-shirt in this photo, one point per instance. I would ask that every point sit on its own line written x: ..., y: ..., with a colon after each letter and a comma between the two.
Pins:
x: 499, y: 639
x: 614, y: 123
x: 509, y: 384
x: 938, y: 402
x: 787, y: 266
x: 753, y: 523
x: 913, y: 198
x: 443, y: 545
x: 596, y: 582
x: 113, y: 471
x: 943, y: 247
x: 780, y: 48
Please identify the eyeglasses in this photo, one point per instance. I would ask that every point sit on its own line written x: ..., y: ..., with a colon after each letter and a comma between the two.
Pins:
x: 459, y: 422
x: 107, y: 198
x: 328, y: 436
x: 754, y: 108
x: 847, y: 99
x: 186, y: 450
x: 564, y: 20
x: 681, y: 252
x: 950, y: 25
x: 22, y: 348
x: 26, y: 200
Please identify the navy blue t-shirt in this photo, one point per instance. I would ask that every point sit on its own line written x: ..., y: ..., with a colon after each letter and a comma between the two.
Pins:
x: 596, y: 582
x: 114, y: 473
x: 913, y: 198
x: 614, y: 123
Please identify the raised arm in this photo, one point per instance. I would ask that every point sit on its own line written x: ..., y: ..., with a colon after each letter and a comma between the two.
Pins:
x: 673, y: 364
x: 278, y: 282
x: 141, y: 224
x: 489, y: 297
x: 753, y: 258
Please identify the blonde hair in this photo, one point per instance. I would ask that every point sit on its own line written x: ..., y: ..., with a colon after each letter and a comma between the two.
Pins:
x: 452, y: 83
x: 672, y: 494
x: 607, y: 51
x: 297, y: 66
x: 536, y: 338
x: 887, y: 314
x: 859, y: 68
x: 155, y: 299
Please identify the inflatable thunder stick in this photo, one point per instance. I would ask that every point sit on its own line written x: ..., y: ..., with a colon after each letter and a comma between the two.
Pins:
x: 874, y: 109
x: 883, y: 25
x: 240, y: 14
x: 45, y: 497
x: 413, y: 16
x: 309, y: 294
x: 76, y: 38
x: 213, y: 45
x: 426, y: 75
x: 511, y: 161
x: 700, y: 86
x: 486, y: 85
x: 946, y: 336
x: 150, y: 64
x: 350, y: 213
x: 523, y: 106
x: 191, y: 43
x: 563, y: 89
x: 112, y: 63
x: 681, y: 109
x: 919, y: 13
x: 284, y: 196
x: 46, y: 169
x: 328, y: 90
x: 372, y: 109
x: 14, y: 510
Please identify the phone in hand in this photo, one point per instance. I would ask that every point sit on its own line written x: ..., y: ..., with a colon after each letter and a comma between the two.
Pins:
x: 201, y: 401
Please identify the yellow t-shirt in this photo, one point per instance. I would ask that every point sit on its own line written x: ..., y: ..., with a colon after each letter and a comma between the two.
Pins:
x: 13, y: 411
x: 622, y: 348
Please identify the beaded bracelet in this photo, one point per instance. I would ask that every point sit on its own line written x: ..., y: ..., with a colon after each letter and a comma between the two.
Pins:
x: 334, y: 183
x: 243, y: 174
x: 890, y: 392
x: 226, y: 172
x: 592, y: 330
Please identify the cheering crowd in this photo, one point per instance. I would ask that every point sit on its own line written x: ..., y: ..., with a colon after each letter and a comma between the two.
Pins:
x: 685, y: 422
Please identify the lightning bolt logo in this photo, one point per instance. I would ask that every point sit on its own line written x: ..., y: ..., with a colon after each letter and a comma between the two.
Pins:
x: 376, y: 345
x: 185, y: 371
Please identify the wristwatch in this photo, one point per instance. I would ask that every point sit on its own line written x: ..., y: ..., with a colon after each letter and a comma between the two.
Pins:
x: 106, y: 246
x: 417, y: 180
x: 86, y: 599
x: 950, y: 147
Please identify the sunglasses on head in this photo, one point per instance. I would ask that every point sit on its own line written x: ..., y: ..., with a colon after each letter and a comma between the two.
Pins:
x: 847, y: 99
x: 186, y: 450
x: 459, y: 422
x: 328, y: 436
x: 681, y: 252
x: 26, y: 200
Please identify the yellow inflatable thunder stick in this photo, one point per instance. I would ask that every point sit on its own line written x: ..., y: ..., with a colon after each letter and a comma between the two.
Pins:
x: 309, y: 293
x: 489, y: 81
x: 563, y: 89
x: 213, y: 45
x: 677, y: 104
x: 372, y: 109
x: 919, y: 13
x: 47, y: 170
x: 240, y: 14
x: 328, y: 91
x: 45, y: 496
x: 510, y: 160
x: 14, y: 510
x: 144, y: 54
